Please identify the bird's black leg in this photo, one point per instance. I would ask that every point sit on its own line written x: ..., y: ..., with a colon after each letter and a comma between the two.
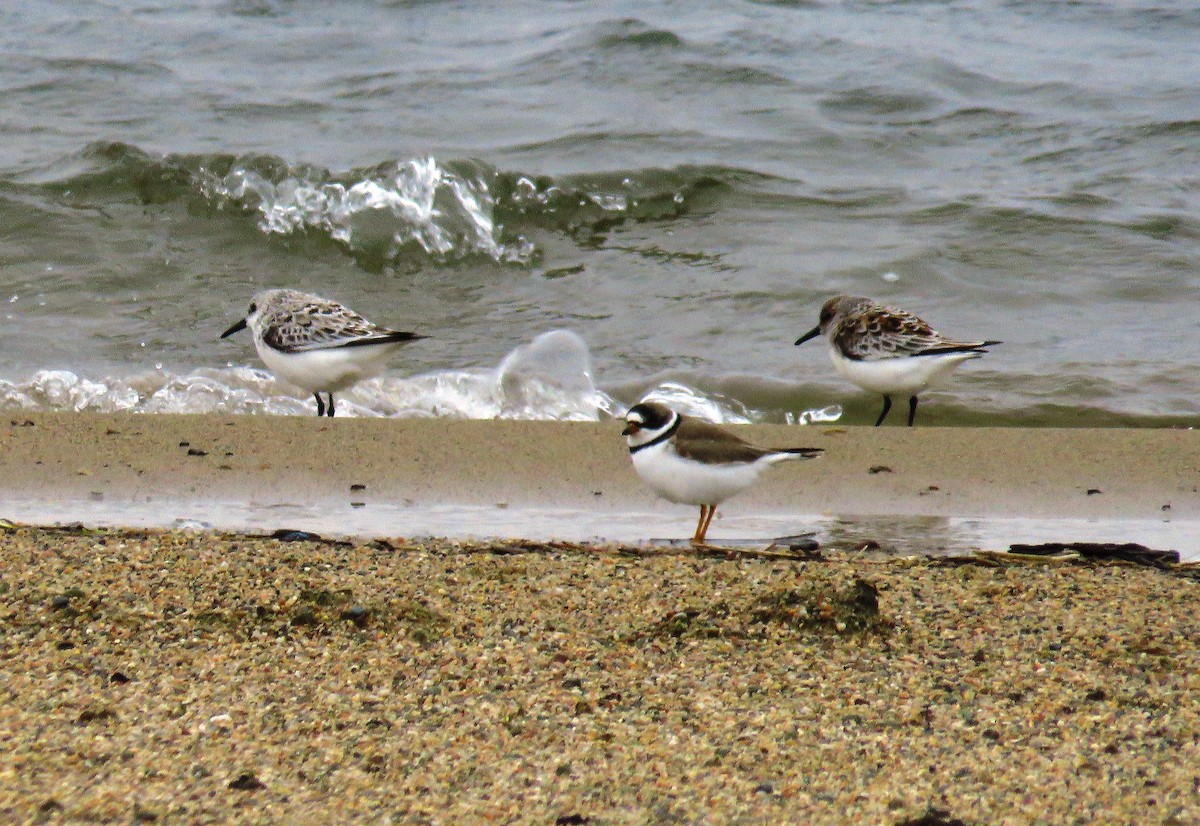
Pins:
x: 912, y: 410
x: 331, y: 405
x: 320, y: 405
x: 887, y: 405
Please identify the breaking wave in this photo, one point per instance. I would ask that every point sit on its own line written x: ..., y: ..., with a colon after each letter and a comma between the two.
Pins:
x: 443, y: 210
x: 549, y: 378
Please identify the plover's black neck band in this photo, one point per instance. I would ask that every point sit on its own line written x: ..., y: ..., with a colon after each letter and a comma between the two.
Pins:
x: 661, y: 437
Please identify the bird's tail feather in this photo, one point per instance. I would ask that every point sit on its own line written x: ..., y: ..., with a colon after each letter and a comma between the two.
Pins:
x: 785, y: 453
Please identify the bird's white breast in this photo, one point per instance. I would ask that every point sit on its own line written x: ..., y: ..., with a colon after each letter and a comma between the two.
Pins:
x: 688, y: 482
x: 328, y: 370
x: 902, y: 375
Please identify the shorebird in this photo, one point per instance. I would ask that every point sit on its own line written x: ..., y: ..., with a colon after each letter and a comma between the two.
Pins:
x: 317, y: 344
x: 692, y: 462
x: 888, y: 351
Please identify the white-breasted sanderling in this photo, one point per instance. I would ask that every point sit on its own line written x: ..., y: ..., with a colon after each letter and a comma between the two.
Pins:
x: 888, y: 351
x: 317, y: 344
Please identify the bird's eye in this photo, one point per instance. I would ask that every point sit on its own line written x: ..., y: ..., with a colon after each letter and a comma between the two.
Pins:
x: 253, y: 309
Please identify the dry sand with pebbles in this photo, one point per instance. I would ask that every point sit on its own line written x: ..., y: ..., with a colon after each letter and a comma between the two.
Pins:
x: 203, y: 678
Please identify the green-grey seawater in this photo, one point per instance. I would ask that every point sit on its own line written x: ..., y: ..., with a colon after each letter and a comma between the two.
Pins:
x: 677, y: 187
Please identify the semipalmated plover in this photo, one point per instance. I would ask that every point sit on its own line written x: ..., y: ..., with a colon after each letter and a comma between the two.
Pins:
x: 888, y: 351
x: 317, y: 344
x: 692, y: 462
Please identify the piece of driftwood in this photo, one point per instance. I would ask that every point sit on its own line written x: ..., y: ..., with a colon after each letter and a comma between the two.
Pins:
x: 1106, y: 551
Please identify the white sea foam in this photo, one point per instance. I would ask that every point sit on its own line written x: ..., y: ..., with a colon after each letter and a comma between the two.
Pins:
x: 724, y: 410
x: 689, y: 402
x: 550, y: 377
x: 416, y: 201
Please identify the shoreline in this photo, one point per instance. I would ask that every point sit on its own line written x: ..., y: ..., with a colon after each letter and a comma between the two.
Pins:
x: 960, y: 487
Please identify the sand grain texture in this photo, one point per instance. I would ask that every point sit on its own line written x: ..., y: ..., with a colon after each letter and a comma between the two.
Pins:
x: 201, y: 678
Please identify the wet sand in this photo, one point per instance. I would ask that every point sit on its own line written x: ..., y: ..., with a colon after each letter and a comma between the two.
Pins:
x: 62, y: 467
x: 204, y: 678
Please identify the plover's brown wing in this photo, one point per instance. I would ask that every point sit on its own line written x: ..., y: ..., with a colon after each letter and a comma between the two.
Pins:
x: 710, y: 444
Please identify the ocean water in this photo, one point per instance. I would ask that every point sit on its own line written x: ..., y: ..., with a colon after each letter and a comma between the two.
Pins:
x: 584, y: 203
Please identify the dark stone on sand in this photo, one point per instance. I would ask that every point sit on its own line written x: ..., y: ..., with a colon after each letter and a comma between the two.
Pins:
x: 852, y: 608
x: 933, y: 817
x: 49, y: 811
x: 95, y: 715
x: 246, y: 782
x: 866, y: 596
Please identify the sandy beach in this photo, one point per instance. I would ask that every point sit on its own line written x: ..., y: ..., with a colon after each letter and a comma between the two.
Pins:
x: 557, y: 480
x: 207, y: 677
x: 200, y: 678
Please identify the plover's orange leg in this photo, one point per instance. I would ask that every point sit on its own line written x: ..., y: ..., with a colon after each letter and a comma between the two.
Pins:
x: 706, y: 517
x: 701, y: 525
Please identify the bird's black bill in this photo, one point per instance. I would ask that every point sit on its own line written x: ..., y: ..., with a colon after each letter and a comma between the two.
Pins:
x: 241, y: 325
x: 630, y: 429
x: 811, y: 334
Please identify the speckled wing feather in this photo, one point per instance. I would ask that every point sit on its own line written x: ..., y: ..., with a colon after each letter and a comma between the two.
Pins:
x: 707, y: 443
x: 883, y: 333
x: 321, y: 325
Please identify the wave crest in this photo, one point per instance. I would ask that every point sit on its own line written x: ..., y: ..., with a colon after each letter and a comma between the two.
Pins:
x: 401, y: 209
x: 444, y: 213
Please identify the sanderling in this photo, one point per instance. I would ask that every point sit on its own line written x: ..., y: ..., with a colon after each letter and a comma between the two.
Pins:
x: 888, y: 351
x: 317, y: 344
x: 692, y: 462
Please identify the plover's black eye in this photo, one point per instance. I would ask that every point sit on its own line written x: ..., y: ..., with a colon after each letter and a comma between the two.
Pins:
x: 253, y: 309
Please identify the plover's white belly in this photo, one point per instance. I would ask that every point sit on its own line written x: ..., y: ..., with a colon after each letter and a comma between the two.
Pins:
x: 692, y: 483
x: 328, y: 370
x: 902, y: 375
